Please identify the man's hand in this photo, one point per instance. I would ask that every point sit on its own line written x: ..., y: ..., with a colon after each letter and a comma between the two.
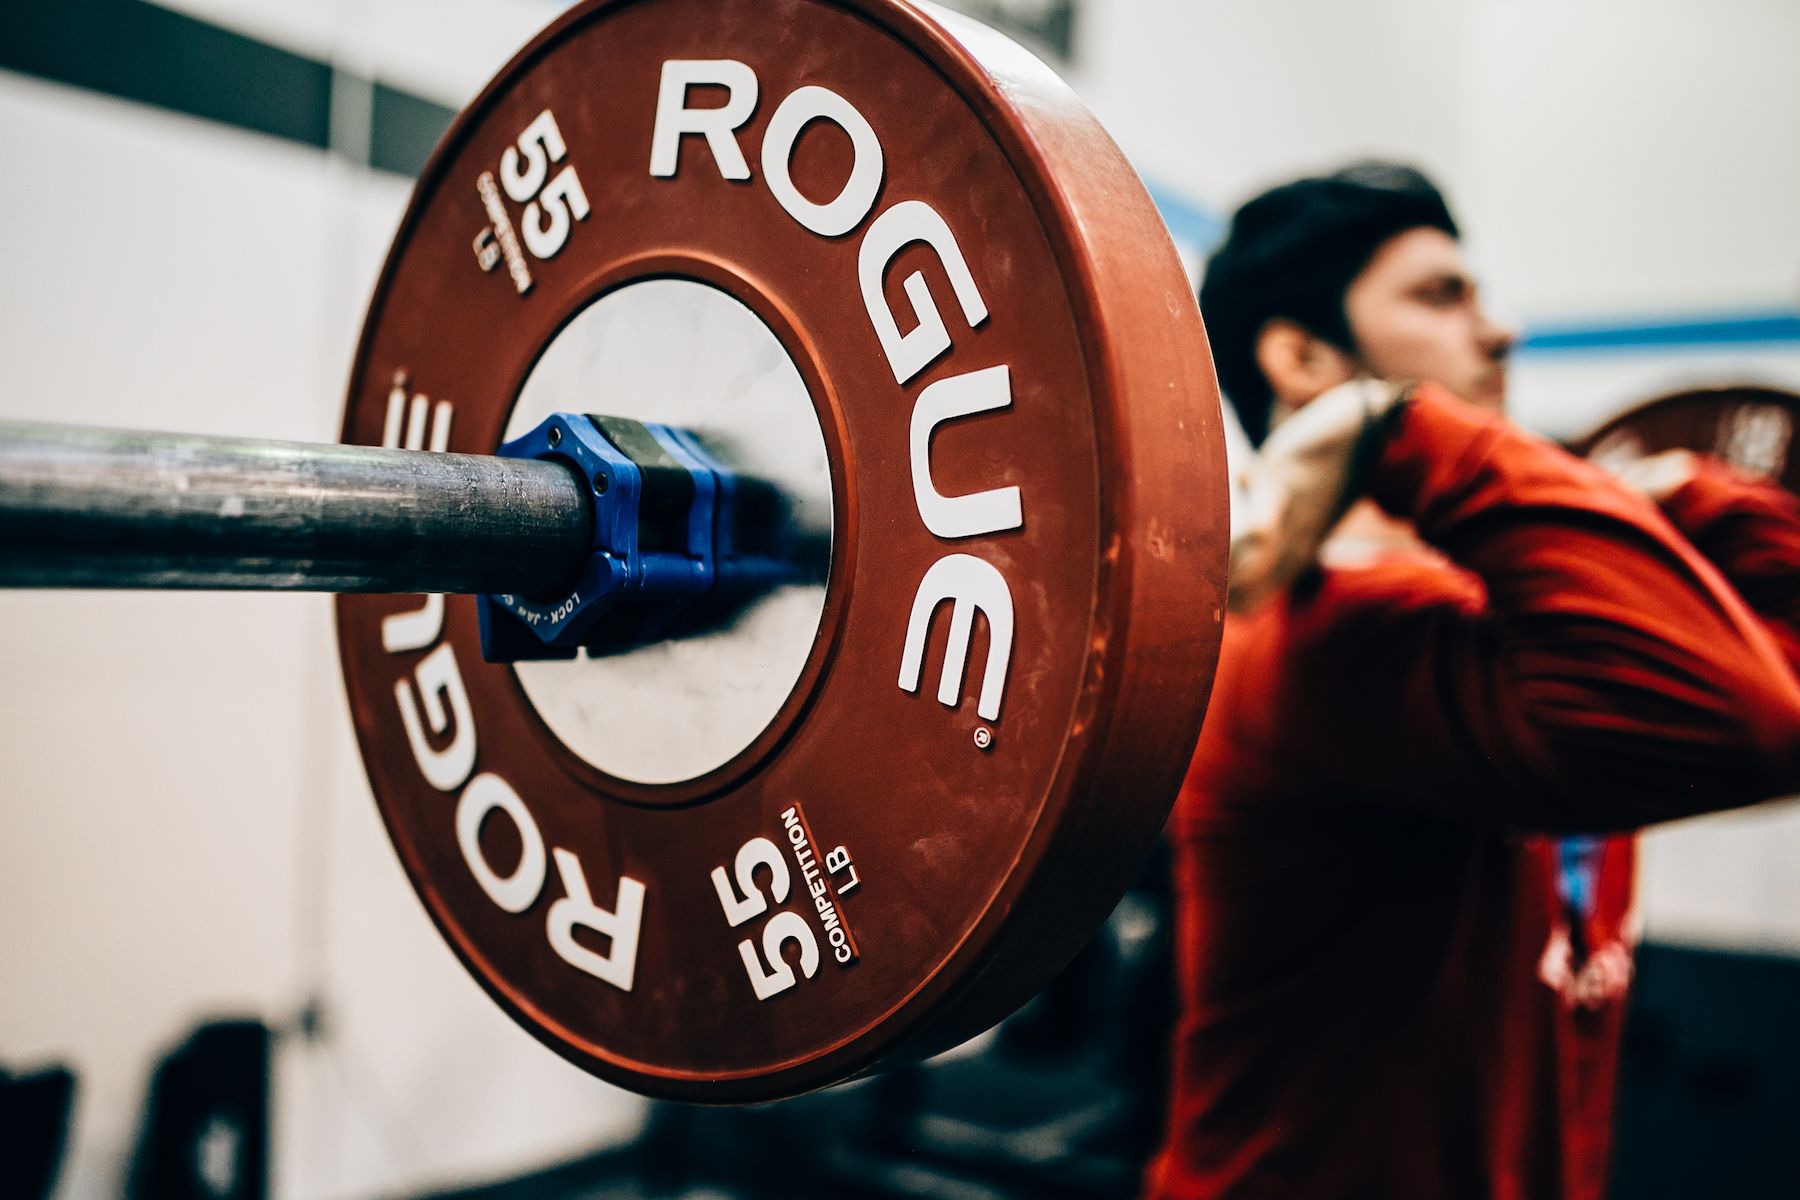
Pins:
x: 1658, y: 476
x: 1310, y: 470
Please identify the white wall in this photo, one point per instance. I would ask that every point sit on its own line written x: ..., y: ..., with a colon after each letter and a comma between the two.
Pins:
x: 184, y: 826
x: 1609, y: 160
x: 1218, y: 98
x: 1632, y: 163
x: 1633, y: 157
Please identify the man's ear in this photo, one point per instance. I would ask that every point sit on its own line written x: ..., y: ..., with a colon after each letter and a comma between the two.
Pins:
x: 1299, y: 364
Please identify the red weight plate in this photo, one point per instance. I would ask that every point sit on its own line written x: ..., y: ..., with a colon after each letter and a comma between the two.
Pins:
x: 1749, y: 426
x: 891, y: 870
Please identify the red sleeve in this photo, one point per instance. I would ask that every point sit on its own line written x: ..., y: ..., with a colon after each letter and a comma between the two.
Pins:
x: 1603, y: 676
x: 1750, y: 530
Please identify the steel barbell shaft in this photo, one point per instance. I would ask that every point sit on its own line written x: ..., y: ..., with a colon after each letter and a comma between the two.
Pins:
x: 108, y: 508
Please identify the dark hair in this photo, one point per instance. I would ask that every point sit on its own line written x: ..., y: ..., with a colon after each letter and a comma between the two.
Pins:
x: 1292, y: 253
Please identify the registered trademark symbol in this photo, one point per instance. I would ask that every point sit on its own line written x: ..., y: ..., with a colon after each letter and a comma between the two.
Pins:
x: 984, y: 737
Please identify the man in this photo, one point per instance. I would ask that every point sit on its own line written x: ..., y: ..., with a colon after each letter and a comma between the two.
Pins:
x: 1394, y: 982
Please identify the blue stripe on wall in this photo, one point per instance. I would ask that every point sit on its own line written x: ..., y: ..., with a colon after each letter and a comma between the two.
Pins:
x: 1770, y: 327
x: 1195, y: 227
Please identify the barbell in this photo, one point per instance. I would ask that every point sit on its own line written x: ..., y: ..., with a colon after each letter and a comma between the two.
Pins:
x: 780, y: 530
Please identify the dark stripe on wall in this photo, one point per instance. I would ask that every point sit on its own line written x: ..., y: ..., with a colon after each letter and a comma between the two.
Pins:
x: 404, y: 129
x: 153, y: 55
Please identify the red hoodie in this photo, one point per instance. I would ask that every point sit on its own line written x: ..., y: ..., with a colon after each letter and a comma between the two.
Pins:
x: 1368, y: 911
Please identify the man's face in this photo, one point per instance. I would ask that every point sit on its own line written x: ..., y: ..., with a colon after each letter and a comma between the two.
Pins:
x: 1415, y: 313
